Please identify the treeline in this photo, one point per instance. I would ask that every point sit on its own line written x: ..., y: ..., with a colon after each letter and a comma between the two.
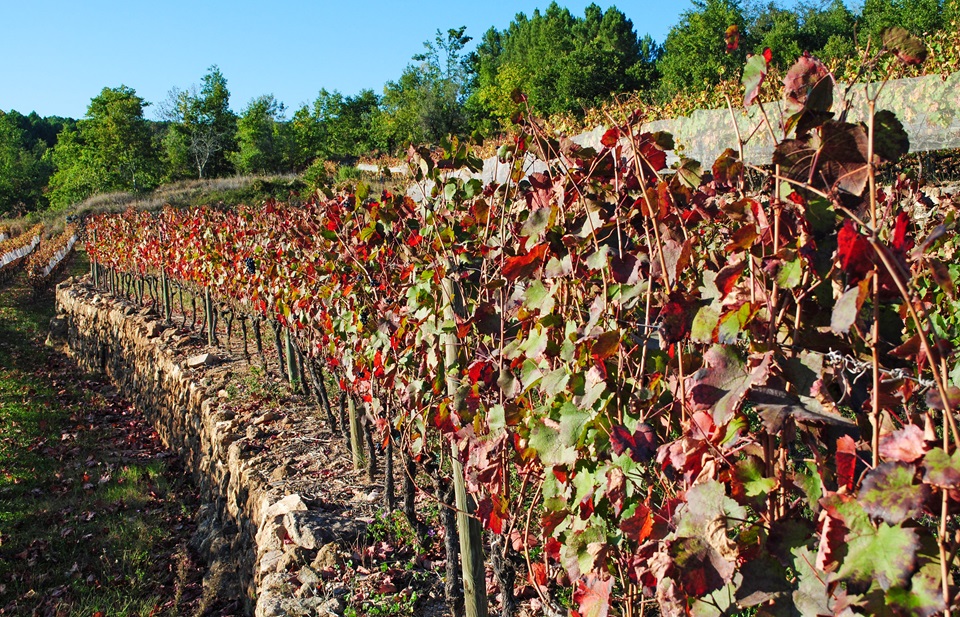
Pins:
x: 562, y: 64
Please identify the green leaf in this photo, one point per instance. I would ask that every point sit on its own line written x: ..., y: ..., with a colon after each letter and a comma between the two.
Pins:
x: 538, y: 298
x: 539, y: 221
x: 887, y: 556
x: 472, y: 188
x: 889, y: 492
x: 555, y: 381
x: 733, y: 323
x: 763, y: 580
x: 450, y: 190
x: 707, y: 511
x: 811, y: 485
x: 753, y: 75
x: 704, y: 325
x: 790, y: 274
x: 546, y: 442
x: 572, y: 423
x: 941, y: 469
x: 811, y: 596
x: 750, y: 473
x: 689, y: 173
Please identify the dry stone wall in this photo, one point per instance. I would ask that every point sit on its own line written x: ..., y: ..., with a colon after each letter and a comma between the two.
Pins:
x: 264, y: 537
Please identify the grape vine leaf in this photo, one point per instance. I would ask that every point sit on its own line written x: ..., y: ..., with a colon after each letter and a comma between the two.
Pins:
x: 727, y: 168
x: 702, y: 568
x: 889, y: 492
x: 808, y: 85
x: 764, y: 579
x: 835, y: 155
x: 724, y: 382
x: 907, y: 47
x: 524, y: 265
x: 890, y: 140
x: 906, y: 445
x: 754, y: 74
x: 846, y: 461
x: 886, y: 555
x: 846, y: 310
x: 854, y: 251
x: 592, y: 595
x: 941, y: 469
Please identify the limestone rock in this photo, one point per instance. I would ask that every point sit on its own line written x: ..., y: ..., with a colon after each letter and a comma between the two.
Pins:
x: 290, y: 503
x: 312, y: 530
x: 204, y: 359
x: 327, y: 557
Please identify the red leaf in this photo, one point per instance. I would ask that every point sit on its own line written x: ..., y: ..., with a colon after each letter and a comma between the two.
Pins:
x: 906, y: 445
x: 593, y: 595
x: 901, y: 243
x: 538, y: 574
x: 524, y: 265
x: 611, y: 137
x: 767, y: 55
x: 728, y: 276
x: 492, y: 511
x: 638, y: 526
x: 846, y: 461
x: 854, y: 252
x: 832, y: 538
x: 621, y: 440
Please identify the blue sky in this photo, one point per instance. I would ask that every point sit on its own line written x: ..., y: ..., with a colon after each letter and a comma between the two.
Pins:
x: 57, y: 55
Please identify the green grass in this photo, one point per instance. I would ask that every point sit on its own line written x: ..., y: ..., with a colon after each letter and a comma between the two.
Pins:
x: 92, y: 519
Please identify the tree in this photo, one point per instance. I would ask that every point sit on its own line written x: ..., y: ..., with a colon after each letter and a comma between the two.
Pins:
x: 427, y: 102
x: 917, y: 16
x: 335, y: 127
x: 111, y: 150
x: 202, y: 128
x: 23, y: 171
x: 262, y: 139
x: 828, y: 29
x: 780, y: 30
x: 562, y: 63
x: 694, y: 53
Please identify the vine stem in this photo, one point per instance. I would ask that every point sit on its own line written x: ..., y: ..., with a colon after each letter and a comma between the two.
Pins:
x: 875, y: 291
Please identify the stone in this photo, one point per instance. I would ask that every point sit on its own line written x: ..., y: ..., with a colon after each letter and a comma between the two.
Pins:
x: 327, y: 557
x: 312, y: 530
x: 308, y: 577
x: 270, y: 416
x: 270, y: 562
x: 204, y: 359
x: 334, y: 607
x: 290, y: 503
x: 281, y: 472
x: 151, y: 329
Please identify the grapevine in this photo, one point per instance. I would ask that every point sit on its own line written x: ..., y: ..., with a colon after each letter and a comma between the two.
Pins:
x: 639, y: 370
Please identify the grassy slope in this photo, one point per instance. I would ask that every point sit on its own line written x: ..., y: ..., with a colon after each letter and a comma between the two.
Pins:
x: 94, y: 516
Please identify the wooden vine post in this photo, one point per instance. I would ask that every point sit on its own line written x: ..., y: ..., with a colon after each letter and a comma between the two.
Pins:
x: 356, y: 436
x: 167, y: 297
x: 94, y: 267
x: 292, y: 374
x: 468, y: 527
x: 210, y: 315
